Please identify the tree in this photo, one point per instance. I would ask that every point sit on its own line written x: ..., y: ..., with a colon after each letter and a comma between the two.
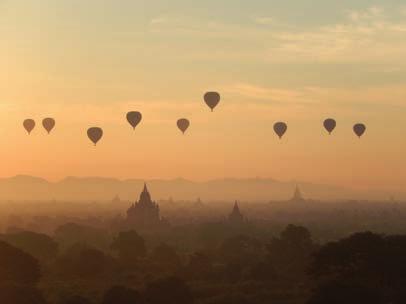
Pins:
x: 40, y: 246
x: 291, y: 253
x: 262, y: 271
x: 200, y: 266
x: 241, y: 249
x: 170, y: 290
x: 129, y: 245
x: 358, y: 255
x: 363, y: 266
x: 19, y: 272
x: 339, y: 293
x: 17, y: 266
x: 76, y: 300
x: 72, y: 233
x: 91, y: 262
x: 83, y: 261
x: 297, y: 235
x: 121, y: 295
x: 20, y: 294
x: 165, y: 256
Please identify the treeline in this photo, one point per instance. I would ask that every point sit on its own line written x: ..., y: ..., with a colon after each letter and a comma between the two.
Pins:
x: 240, y: 268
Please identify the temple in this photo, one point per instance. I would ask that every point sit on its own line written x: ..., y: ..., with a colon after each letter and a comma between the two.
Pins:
x: 297, y: 196
x: 236, y: 216
x: 145, y: 212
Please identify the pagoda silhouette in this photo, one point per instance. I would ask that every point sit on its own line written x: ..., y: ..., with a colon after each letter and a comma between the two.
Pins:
x: 297, y: 196
x: 236, y: 217
x: 145, y: 213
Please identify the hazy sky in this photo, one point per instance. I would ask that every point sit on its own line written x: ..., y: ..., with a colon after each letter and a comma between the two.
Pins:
x: 87, y: 63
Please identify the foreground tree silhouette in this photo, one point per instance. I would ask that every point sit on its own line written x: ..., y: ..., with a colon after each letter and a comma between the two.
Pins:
x: 83, y: 261
x: 40, y: 246
x: 199, y: 267
x: 76, y: 300
x: 241, y: 249
x: 166, y: 257
x: 363, y: 266
x: 17, y: 267
x: 359, y: 255
x: 291, y: 253
x: 121, y: 295
x: 338, y: 293
x: 20, y: 294
x: 72, y: 233
x: 19, y: 273
x: 170, y: 290
x: 130, y: 246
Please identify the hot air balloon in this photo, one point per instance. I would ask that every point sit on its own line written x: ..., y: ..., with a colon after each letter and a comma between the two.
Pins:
x: 134, y: 118
x: 48, y: 124
x: 183, y: 124
x: 29, y: 125
x: 280, y: 129
x: 95, y: 134
x: 359, y: 129
x: 330, y: 124
x: 212, y: 99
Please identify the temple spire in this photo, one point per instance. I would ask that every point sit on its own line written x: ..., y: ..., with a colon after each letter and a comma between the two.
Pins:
x: 236, y: 208
x: 297, y: 196
x: 145, y: 197
x: 145, y: 212
x: 236, y: 216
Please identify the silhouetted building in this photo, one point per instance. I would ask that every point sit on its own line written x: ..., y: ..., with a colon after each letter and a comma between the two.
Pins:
x: 236, y: 216
x: 145, y: 212
x: 297, y: 196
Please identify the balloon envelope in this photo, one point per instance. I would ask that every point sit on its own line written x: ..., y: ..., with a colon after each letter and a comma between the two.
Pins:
x: 49, y: 124
x: 29, y: 125
x: 359, y: 129
x: 134, y: 118
x: 212, y: 99
x: 95, y: 134
x: 183, y: 124
x: 330, y: 124
x: 280, y: 128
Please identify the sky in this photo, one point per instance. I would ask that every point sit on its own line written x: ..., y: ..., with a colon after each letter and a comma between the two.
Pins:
x: 87, y: 63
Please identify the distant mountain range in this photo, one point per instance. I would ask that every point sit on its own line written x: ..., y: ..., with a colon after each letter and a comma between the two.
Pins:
x: 104, y: 189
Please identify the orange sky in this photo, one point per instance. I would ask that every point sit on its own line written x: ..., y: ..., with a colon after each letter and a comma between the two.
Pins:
x: 90, y: 70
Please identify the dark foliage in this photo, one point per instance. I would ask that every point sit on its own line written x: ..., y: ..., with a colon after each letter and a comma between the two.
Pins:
x: 339, y: 293
x: 17, y: 267
x: 121, y: 295
x: 291, y: 252
x: 76, y: 300
x: 83, y: 261
x: 373, y: 264
x: 170, y: 290
x: 129, y: 246
x: 40, y: 246
x: 11, y: 293
x: 166, y: 257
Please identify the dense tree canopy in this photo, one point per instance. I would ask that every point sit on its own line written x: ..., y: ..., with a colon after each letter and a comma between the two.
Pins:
x: 76, y: 300
x: 364, y: 265
x: 121, y: 295
x: 292, y: 251
x: 170, y: 290
x: 17, y: 267
x: 129, y: 246
x: 11, y: 293
x: 40, y: 246
x: 83, y: 261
